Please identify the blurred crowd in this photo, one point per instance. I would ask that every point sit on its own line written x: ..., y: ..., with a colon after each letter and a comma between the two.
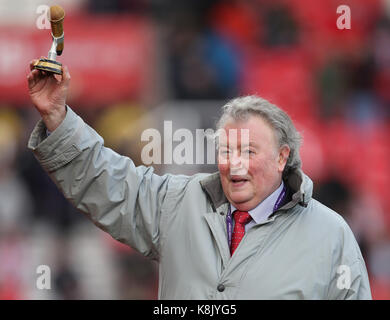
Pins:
x: 335, y: 84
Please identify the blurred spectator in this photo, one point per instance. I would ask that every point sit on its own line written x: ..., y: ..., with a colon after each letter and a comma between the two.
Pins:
x: 363, y: 106
x: 66, y: 280
x: 346, y: 90
x: 361, y: 212
x: 202, y: 64
x: 281, y: 29
x: 15, y: 207
x: 138, y: 277
x: 333, y: 84
x: 335, y: 194
x: 238, y: 21
x: 12, y: 267
x: 366, y: 219
x: 15, y: 201
x: 381, y: 53
x: 49, y: 205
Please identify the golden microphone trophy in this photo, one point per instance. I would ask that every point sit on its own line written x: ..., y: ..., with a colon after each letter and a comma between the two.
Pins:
x: 50, y: 64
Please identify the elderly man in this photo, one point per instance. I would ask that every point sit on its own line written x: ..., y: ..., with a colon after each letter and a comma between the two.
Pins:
x: 250, y: 231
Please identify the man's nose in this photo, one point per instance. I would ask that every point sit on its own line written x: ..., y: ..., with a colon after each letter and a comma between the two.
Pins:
x: 238, y: 165
x: 235, y: 160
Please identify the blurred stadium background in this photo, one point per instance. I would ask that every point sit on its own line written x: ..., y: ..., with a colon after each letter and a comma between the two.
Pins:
x: 137, y: 63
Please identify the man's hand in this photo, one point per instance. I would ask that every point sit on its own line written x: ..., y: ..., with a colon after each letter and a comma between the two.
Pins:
x: 48, y: 94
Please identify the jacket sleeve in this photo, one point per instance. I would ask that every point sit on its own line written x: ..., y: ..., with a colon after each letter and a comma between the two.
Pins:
x: 350, y: 283
x: 118, y: 197
x: 349, y: 276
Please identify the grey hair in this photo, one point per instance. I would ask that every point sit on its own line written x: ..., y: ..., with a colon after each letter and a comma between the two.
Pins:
x: 241, y: 108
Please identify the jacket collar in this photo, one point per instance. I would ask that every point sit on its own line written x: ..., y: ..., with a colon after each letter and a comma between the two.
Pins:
x: 299, y: 184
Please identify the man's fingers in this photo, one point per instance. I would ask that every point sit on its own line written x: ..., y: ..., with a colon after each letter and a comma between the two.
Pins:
x: 65, y: 74
x: 32, y: 77
x: 64, y: 78
x: 35, y: 72
x: 35, y: 75
x: 32, y: 63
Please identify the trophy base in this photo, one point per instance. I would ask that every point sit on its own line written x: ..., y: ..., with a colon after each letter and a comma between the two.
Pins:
x: 49, y: 66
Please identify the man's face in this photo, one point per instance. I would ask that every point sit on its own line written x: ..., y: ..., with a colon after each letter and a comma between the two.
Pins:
x: 250, y: 162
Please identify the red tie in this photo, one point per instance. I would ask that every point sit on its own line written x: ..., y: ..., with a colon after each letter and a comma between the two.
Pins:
x: 241, y: 218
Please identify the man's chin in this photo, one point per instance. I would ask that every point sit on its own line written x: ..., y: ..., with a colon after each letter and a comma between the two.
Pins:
x: 241, y: 203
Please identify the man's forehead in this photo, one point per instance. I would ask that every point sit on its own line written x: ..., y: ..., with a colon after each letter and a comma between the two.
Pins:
x: 244, y: 141
x: 234, y: 133
x: 254, y: 125
x: 253, y: 129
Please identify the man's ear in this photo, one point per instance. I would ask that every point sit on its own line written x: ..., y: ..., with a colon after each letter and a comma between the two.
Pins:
x: 284, y: 153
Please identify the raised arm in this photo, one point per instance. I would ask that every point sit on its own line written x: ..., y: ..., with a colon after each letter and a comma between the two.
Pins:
x: 124, y: 200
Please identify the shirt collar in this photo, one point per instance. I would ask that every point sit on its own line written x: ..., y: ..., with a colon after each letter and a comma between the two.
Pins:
x: 265, y: 208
